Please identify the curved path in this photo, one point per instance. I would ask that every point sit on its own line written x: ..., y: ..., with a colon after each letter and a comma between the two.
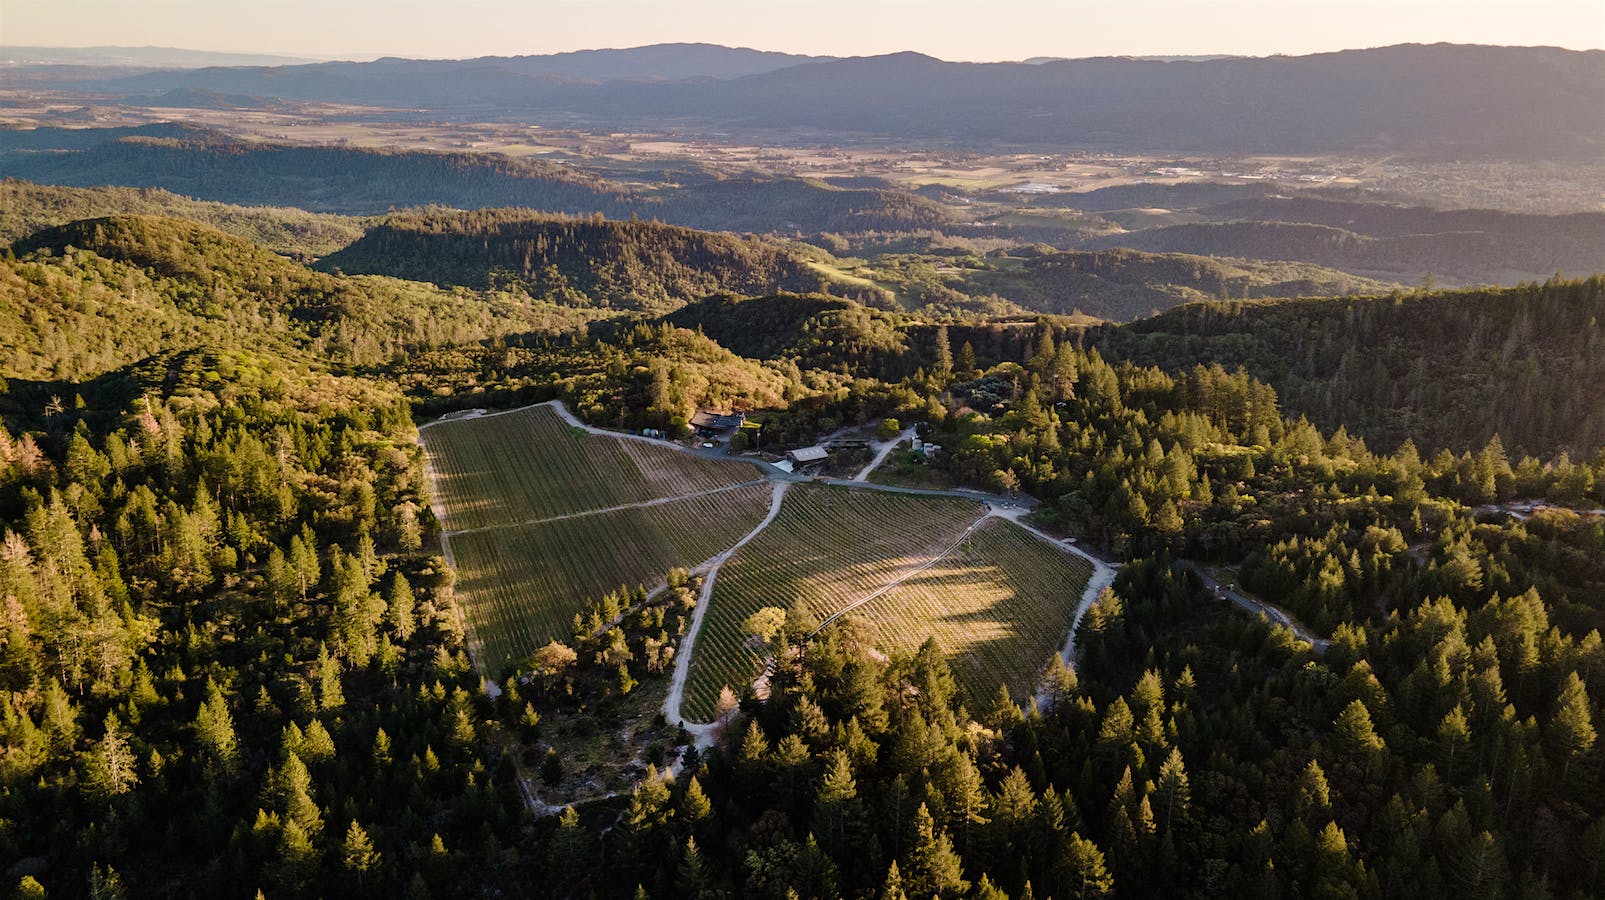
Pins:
x: 704, y: 733
x: 899, y: 580
x: 1257, y: 606
x: 884, y: 449
x: 639, y: 504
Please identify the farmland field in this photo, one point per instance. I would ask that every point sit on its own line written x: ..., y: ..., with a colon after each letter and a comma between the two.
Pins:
x: 530, y: 465
x: 999, y: 605
x: 829, y: 546
x: 522, y: 584
x: 527, y: 502
x: 543, y: 518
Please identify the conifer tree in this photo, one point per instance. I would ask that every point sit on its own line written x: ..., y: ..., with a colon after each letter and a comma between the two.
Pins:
x: 357, y: 854
x: 214, y: 728
x: 933, y: 868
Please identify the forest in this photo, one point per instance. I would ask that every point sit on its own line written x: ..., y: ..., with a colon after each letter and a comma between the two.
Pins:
x: 233, y: 659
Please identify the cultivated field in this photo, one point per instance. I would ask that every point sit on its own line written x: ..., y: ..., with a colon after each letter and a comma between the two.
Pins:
x: 999, y: 604
x: 530, y: 465
x: 535, y: 533
x: 829, y: 546
x: 543, y: 518
x: 522, y: 584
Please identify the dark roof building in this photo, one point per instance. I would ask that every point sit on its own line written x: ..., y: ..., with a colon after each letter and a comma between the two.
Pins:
x: 713, y: 421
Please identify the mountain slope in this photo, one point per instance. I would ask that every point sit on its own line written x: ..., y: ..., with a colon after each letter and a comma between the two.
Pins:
x: 1125, y: 284
x: 212, y: 166
x: 25, y: 208
x: 83, y: 298
x: 1467, y: 246
x: 1448, y: 369
x: 628, y: 265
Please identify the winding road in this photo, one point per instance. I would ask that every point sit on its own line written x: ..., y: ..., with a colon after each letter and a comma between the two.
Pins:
x: 883, y: 449
x: 705, y: 733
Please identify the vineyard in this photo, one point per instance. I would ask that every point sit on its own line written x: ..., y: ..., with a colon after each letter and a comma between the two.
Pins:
x: 529, y: 504
x: 543, y: 518
x: 999, y: 605
x: 529, y: 465
x: 522, y: 584
x: 828, y: 546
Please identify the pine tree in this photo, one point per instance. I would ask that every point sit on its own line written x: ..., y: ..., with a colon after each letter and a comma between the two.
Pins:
x: 1354, y: 732
x: 298, y: 856
x: 110, y: 766
x: 942, y: 369
x: 105, y: 883
x: 1086, y: 870
x: 1454, y: 740
x: 814, y: 875
x: 933, y: 868
x: 692, y: 881
x: 60, y: 718
x: 330, y: 694
x: 694, y: 805
x: 214, y: 729
x: 837, y: 810
x: 965, y: 367
x: 357, y: 853
x: 1172, y: 790
x: 892, y: 887
x: 1313, y: 797
x: 1571, y: 727
x: 965, y: 797
x: 400, y: 610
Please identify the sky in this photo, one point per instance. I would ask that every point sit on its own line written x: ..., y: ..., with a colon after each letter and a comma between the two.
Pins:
x: 974, y: 30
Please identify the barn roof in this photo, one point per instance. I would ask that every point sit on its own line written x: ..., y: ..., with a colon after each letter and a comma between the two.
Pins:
x: 807, y: 454
x: 719, y: 421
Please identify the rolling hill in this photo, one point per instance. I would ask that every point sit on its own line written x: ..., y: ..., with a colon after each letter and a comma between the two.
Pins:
x: 624, y: 265
x: 1447, y: 369
x: 210, y: 165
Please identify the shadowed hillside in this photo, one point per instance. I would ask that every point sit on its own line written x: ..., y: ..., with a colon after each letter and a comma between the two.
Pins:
x: 631, y: 265
x: 1447, y: 369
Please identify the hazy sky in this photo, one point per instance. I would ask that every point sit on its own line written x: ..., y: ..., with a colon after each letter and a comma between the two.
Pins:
x: 976, y: 30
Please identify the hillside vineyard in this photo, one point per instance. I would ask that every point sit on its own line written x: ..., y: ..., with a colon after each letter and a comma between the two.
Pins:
x: 687, y: 471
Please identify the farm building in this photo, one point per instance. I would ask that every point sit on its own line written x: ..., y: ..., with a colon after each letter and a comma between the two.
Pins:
x: 803, y: 456
x: 707, y: 420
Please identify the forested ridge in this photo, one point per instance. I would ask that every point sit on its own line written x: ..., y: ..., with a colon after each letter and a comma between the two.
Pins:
x: 1447, y: 369
x: 26, y: 208
x: 629, y: 265
x: 1123, y: 285
x: 232, y: 660
x: 212, y: 166
x: 1464, y: 251
x: 89, y: 296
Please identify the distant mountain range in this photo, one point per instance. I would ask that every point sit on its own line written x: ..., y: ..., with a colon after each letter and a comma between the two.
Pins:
x: 1449, y: 101
x: 143, y: 57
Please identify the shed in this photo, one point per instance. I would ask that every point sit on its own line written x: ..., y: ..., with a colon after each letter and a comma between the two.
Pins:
x: 803, y: 456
